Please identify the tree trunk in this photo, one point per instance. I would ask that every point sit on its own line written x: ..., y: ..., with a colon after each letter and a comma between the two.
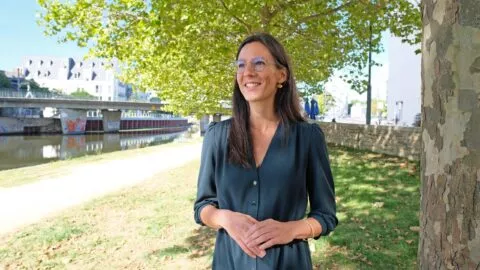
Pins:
x: 450, y: 196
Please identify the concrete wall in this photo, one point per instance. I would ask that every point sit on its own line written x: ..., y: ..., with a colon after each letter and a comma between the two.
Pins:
x: 111, y: 120
x: 29, y: 125
x: 391, y: 140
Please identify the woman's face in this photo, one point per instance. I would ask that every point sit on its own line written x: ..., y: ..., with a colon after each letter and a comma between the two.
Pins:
x: 257, y: 74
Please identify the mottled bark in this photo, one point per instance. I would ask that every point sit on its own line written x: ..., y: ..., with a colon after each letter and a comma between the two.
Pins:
x: 450, y: 196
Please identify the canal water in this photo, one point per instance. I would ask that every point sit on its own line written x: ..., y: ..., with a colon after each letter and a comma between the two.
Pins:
x: 23, y: 151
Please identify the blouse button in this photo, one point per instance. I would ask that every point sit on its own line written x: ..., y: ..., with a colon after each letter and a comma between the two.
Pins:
x: 254, y: 203
x: 254, y: 183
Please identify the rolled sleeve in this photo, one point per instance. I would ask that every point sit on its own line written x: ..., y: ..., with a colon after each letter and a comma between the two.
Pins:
x: 206, y: 187
x: 320, y: 185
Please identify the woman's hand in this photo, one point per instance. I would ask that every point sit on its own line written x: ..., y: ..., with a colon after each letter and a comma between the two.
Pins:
x: 237, y: 225
x: 267, y: 233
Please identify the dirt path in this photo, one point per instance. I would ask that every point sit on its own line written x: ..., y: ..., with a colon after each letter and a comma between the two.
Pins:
x: 27, y: 204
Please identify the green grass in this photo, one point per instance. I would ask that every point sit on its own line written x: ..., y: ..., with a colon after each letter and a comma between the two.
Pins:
x: 377, y: 204
x: 151, y: 226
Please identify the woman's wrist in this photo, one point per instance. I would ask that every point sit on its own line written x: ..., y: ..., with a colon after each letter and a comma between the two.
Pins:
x: 299, y: 229
x: 221, y: 218
x: 213, y: 217
x: 304, y: 229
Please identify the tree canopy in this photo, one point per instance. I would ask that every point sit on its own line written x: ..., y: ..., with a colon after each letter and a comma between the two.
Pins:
x: 81, y: 93
x: 34, y: 86
x: 185, y: 48
x: 4, y: 81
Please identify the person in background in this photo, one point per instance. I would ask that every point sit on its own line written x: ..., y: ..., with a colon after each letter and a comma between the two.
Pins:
x: 313, y: 109
x: 260, y: 168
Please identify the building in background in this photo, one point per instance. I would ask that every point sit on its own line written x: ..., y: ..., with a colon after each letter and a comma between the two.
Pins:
x: 404, y: 83
x: 94, y: 76
x: 16, y: 78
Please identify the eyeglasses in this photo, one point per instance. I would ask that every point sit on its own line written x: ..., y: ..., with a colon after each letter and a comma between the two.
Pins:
x: 258, y: 63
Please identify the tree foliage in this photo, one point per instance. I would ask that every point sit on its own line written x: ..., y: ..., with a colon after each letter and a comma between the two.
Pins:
x: 34, y: 86
x: 184, y: 48
x: 4, y: 81
x: 81, y: 93
x: 325, y: 102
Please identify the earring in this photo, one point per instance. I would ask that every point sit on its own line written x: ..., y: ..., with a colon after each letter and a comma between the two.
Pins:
x: 279, y: 85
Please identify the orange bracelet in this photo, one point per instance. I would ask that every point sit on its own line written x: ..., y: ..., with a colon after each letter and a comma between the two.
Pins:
x: 312, y: 232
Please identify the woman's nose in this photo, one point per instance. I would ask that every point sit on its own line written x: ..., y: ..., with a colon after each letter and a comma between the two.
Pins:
x: 249, y: 69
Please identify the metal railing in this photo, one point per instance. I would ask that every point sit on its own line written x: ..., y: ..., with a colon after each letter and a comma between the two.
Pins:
x: 12, y: 93
x: 7, y: 93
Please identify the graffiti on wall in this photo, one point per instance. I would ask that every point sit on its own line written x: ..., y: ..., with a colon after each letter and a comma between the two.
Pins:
x: 73, y: 121
x: 75, y: 125
x: 10, y: 125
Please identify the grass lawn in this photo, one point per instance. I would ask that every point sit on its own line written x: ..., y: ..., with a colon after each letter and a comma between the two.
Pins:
x: 151, y: 226
x: 378, y: 201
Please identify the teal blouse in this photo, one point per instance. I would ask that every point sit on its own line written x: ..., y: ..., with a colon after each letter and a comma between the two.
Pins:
x: 295, y: 168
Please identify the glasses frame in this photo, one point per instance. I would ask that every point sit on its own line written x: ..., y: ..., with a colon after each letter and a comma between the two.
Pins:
x: 255, y: 62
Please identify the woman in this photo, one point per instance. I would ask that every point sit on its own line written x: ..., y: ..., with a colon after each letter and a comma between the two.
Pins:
x: 259, y: 168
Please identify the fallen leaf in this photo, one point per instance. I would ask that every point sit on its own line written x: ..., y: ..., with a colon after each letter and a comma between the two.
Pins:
x: 415, y: 228
x: 355, y: 219
x: 365, y: 260
x: 378, y: 204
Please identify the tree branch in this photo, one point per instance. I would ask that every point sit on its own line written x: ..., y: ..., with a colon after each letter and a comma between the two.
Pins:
x: 295, y: 27
x: 282, y: 5
x: 268, y: 15
x: 328, y: 12
x: 247, y: 26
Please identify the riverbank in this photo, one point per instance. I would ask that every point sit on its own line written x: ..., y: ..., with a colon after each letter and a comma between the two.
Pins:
x: 29, y: 194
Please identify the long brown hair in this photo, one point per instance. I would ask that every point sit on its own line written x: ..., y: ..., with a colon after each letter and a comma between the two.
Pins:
x: 286, y: 103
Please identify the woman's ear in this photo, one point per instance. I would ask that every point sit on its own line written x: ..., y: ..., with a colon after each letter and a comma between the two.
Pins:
x: 283, y: 75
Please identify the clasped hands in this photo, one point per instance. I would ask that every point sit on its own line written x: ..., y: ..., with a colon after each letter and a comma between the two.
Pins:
x: 253, y: 236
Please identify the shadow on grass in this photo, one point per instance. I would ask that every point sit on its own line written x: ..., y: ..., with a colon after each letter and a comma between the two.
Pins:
x: 172, y: 251
x: 377, y: 205
x: 200, y: 243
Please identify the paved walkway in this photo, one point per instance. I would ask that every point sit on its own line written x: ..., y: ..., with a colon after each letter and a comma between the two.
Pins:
x: 29, y: 203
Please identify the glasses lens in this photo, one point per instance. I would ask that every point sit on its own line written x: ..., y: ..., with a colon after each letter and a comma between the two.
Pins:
x: 259, y: 64
x: 240, y: 66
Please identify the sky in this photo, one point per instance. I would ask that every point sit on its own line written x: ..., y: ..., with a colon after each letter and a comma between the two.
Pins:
x: 379, y: 78
x: 21, y: 36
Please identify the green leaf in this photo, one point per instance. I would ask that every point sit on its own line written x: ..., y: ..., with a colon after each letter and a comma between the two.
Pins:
x: 183, y: 48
